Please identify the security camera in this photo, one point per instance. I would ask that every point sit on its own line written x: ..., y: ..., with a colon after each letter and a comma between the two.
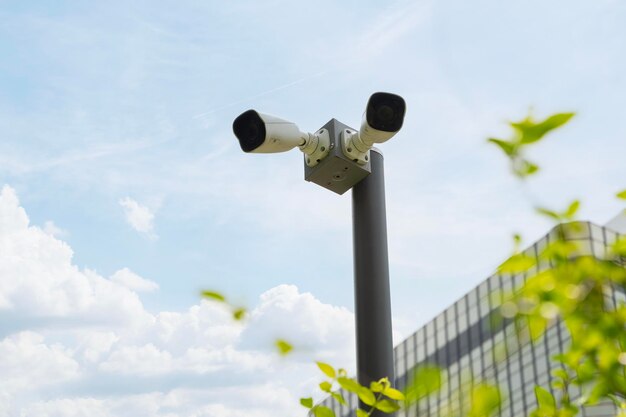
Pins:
x: 262, y: 133
x: 382, y: 119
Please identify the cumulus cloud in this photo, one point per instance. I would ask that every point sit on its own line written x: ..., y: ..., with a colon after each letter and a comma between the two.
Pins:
x: 30, y: 362
x: 52, y: 229
x: 139, y: 217
x: 130, y: 280
x: 79, y: 344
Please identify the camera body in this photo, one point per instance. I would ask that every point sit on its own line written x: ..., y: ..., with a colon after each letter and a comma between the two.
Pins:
x: 263, y: 133
x: 383, y: 118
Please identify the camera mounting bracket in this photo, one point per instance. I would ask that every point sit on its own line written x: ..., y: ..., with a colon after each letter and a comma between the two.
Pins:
x: 337, y: 172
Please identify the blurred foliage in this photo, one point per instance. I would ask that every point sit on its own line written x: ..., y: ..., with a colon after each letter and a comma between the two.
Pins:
x: 527, y: 132
x: 380, y: 395
x: 425, y: 380
x: 284, y: 347
x: 238, y: 313
x: 576, y: 289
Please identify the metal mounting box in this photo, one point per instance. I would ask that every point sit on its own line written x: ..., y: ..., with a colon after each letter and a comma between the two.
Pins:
x: 336, y: 172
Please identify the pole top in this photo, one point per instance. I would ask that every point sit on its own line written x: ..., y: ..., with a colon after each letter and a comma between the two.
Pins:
x: 378, y: 151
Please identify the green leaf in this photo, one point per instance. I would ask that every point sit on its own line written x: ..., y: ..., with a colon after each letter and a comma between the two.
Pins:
x: 559, y: 249
x: 526, y: 168
x: 619, y: 247
x: 239, y: 313
x: 508, y: 148
x: 572, y: 209
x: 537, y: 326
x: 387, y: 406
x: 323, y: 411
x: 531, y: 132
x: 216, y: 296
x: 517, y: 263
x: 284, y: 347
x: 361, y: 413
x: 326, y: 386
x: 545, y: 400
x: 549, y: 213
x: 307, y: 402
x: 394, y: 394
x: 425, y: 381
x: 517, y: 240
x: 600, y: 390
x: 366, y: 395
x: 376, y: 386
x: 349, y: 384
x: 561, y: 374
x: 327, y: 369
x: 485, y: 400
x: 337, y: 396
x: 622, y: 195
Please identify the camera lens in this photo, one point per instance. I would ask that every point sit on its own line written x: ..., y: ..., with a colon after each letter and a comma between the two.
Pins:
x: 385, y: 112
x: 250, y: 130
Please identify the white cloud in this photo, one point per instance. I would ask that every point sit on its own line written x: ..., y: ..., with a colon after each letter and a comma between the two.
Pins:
x: 52, y: 229
x: 39, y: 281
x: 307, y: 322
x: 26, y: 361
x: 142, y: 360
x: 87, y: 345
x: 132, y: 281
x: 140, y: 218
x: 81, y: 407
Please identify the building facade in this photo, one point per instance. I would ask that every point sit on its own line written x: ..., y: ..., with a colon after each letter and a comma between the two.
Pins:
x: 465, y: 344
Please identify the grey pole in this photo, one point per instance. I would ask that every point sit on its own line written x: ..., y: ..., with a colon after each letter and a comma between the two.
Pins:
x: 372, y: 300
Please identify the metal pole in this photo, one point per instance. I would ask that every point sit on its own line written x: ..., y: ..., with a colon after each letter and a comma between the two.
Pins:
x: 372, y: 301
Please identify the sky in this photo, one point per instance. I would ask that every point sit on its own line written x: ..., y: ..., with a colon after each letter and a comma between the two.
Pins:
x: 124, y: 192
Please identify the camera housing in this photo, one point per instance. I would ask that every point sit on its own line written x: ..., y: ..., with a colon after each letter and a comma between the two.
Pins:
x: 263, y: 133
x: 383, y: 118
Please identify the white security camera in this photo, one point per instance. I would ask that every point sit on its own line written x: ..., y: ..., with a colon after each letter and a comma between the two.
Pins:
x: 262, y: 133
x: 382, y: 119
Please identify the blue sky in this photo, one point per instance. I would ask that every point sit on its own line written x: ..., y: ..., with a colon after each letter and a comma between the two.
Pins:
x: 116, y: 138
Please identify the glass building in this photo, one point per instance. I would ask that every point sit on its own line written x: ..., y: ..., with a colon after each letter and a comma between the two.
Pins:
x: 463, y: 341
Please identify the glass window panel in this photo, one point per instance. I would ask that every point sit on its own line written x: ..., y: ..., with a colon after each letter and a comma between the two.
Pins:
x: 461, y: 305
x: 528, y: 374
x: 451, y: 329
x: 440, y: 320
x: 462, y: 322
x: 400, y: 350
x: 473, y: 314
x: 451, y: 314
x: 430, y: 329
x: 430, y: 345
x: 441, y: 338
x: 421, y: 355
x: 518, y: 280
x: 584, y: 247
x: 484, y: 307
x: 483, y: 289
x: 611, y: 236
x: 471, y: 298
